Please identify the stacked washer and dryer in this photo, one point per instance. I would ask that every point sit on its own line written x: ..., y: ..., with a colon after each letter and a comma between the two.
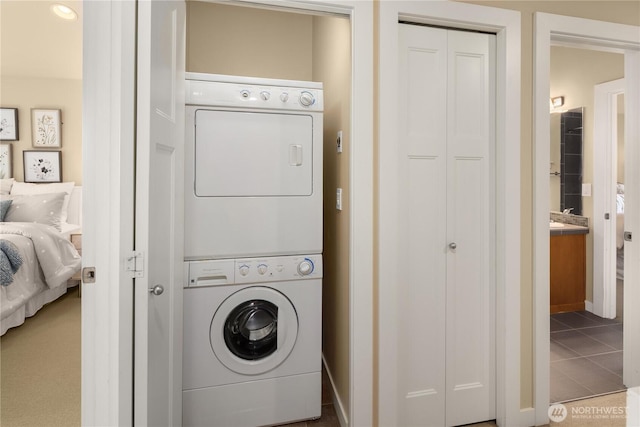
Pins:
x: 253, y: 251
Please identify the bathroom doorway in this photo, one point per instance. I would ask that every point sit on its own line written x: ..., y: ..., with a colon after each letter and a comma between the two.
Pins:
x: 586, y: 347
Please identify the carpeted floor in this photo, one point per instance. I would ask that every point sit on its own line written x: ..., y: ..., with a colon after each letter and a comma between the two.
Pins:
x: 40, y: 368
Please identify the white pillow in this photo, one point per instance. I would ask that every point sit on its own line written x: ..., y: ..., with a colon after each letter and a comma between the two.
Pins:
x: 25, y: 189
x: 41, y: 208
x: 5, y: 185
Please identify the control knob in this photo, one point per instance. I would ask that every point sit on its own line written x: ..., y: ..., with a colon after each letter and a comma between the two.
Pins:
x: 244, y: 270
x: 265, y: 95
x: 305, y: 267
x: 284, y: 97
x: 307, y: 99
x: 245, y: 94
x: 262, y: 268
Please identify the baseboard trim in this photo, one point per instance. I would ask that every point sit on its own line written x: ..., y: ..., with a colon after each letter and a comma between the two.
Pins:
x: 337, y: 402
x: 528, y: 417
x: 588, y: 305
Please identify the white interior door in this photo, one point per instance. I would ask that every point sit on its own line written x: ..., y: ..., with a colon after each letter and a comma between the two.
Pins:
x: 159, y: 213
x: 605, y: 219
x: 447, y: 227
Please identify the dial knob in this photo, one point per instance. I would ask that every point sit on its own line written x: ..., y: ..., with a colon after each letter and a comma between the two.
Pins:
x: 245, y: 94
x: 244, y: 270
x: 284, y: 97
x: 305, y: 267
x: 262, y: 268
x: 307, y: 99
x: 265, y: 95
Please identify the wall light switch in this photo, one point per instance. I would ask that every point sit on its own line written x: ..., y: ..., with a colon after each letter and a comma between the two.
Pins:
x: 339, y: 142
x: 586, y: 190
x: 339, y: 199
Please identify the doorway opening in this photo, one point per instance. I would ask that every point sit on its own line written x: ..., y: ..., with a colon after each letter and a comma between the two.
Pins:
x: 582, y: 33
x: 586, y: 347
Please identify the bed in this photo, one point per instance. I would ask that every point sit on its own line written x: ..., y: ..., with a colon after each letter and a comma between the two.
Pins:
x: 38, y: 220
x: 620, y: 231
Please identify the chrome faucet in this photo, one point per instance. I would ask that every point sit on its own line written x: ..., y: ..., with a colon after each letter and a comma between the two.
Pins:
x: 567, y: 211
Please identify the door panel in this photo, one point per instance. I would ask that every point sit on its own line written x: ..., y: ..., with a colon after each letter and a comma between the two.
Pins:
x: 470, y: 320
x: 159, y: 213
x: 447, y: 199
x: 422, y: 196
x: 236, y: 154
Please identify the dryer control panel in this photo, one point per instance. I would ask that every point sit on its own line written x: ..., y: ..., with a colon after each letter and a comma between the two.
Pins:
x: 252, y: 270
x: 245, y: 92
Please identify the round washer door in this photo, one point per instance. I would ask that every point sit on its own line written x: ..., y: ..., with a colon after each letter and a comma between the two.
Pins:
x: 254, y: 330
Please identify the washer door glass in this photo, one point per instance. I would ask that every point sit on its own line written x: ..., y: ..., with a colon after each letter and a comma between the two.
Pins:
x: 251, y: 330
x: 254, y: 330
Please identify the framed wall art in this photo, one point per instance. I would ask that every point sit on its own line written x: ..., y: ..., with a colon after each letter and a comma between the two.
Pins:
x: 8, y: 124
x: 6, y: 170
x: 42, y: 166
x: 46, y: 128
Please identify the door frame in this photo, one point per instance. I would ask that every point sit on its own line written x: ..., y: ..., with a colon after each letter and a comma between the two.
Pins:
x: 605, y: 126
x: 108, y: 133
x: 576, y: 32
x: 506, y: 25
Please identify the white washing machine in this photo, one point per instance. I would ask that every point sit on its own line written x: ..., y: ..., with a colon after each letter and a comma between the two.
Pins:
x: 253, y: 167
x: 252, y: 341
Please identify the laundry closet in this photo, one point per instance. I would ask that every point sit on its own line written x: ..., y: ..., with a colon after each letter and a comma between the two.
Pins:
x: 241, y: 41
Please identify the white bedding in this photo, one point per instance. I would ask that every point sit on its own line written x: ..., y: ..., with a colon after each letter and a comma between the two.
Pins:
x: 49, y: 260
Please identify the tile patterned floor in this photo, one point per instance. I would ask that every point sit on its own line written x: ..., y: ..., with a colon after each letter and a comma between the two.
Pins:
x: 586, y: 356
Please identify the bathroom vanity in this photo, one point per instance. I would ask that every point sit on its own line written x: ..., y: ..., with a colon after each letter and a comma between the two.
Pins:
x: 568, y: 267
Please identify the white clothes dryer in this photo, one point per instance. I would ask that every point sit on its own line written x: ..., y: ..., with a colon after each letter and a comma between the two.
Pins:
x: 253, y: 167
x: 252, y: 341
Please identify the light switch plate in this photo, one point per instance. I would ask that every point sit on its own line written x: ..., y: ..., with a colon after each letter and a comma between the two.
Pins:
x: 339, y: 199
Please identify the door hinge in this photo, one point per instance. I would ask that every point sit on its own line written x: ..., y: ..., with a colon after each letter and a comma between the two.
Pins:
x: 134, y: 262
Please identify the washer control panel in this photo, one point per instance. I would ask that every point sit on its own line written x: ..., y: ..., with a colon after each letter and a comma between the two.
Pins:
x: 252, y: 270
x: 277, y: 269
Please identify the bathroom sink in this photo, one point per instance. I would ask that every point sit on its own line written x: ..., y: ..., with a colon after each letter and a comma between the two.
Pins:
x: 554, y: 224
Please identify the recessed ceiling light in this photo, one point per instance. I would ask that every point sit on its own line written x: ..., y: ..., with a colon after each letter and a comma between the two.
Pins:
x: 64, y: 12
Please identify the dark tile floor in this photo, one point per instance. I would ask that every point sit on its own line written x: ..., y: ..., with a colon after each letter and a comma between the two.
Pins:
x: 586, y: 356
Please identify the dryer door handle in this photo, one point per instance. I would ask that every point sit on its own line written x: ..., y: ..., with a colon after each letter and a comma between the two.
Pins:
x: 295, y: 155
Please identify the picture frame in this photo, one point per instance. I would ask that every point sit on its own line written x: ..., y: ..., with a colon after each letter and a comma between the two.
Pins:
x: 6, y: 165
x: 46, y: 128
x: 9, y: 129
x: 42, y: 166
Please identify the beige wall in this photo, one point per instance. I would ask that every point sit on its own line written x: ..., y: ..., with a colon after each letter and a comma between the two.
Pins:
x: 332, y: 65
x: 63, y: 94
x: 243, y: 41
x: 223, y: 39
x: 574, y: 73
x: 623, y: 12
